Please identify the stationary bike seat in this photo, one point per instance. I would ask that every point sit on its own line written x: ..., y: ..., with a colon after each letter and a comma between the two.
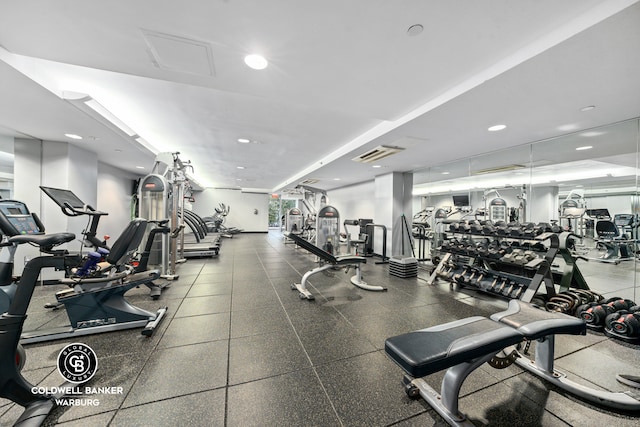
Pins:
x: 43, y: 240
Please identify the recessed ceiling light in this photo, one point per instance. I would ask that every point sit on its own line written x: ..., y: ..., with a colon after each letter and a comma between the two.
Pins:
x: 257, y: 62
x: 414, y: 30
x: 591, y: 133
x: 497, y: 128
x: 376, y: 166
x: 139, y: 167
x: 238, y: 179
x: 585, y: 147
x: 239, y: 167
x: 244, y: 140
x: 446, y: 173
x: 72, y: 136
x: 336, y: 179
x: 588, y: 108
x: 568, y: 127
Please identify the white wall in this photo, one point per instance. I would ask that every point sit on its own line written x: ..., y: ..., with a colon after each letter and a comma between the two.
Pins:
x: 354, y: 202
x: 542, y: 205
x: 71, y: 168
x: 384, y: 201
x: 617, y: 204
x: 57, y: 164
x: 357, y: 202
x: 115, y: 188
x: 243, y: 207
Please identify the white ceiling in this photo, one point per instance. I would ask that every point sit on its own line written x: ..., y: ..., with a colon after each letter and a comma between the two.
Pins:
x: 343, y: 78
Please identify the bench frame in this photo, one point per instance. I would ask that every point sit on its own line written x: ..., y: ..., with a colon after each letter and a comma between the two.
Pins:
x: 446, y: 402
x: 331, y: 262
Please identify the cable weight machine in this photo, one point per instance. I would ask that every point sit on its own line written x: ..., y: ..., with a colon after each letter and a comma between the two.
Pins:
x: 161, y: 196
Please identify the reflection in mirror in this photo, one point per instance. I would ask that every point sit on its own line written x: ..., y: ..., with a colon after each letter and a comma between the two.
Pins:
x: 495, y: 186
x: 583, y: 183
x: 589, y: 180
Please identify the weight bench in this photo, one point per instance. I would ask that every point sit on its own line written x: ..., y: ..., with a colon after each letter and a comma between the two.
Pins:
x: 330, y: 262
x: 463, y: 345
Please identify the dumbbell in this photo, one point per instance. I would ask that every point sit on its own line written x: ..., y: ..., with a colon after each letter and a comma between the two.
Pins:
x: 516, y: 231
x: 504, y: 283
x: 528, y: 229
x: 476, y: 228
x: 539, y: 300
x: 520, y: 291
x: 446, y: 271
x: 595, y: 313
x: 460, y: 277
x: 587, y: 296
x: 544, y: 227
x: 476, y: 271
x: 488, y: 228
x: 492, y: 286
x: 508, y: 256
x: 481, y: 275
x: 624, y: 322
x: 563, y: 303
x: 502, y: 229
x: 512, y: 285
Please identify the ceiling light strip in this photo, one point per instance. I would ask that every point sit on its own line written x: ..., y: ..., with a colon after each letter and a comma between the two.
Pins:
x: 100, y: 109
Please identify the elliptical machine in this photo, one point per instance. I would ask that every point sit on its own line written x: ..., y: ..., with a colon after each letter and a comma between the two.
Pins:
x: 13, y: 385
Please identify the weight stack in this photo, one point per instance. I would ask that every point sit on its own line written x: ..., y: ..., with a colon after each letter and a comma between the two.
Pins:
x: 403, y: 267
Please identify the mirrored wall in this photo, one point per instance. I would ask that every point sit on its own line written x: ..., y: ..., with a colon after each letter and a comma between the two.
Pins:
x: 585, y: 183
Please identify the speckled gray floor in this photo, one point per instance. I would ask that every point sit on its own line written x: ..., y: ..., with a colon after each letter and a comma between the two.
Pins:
x: 239, y: 348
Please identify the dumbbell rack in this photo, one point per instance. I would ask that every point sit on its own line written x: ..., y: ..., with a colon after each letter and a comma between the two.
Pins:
x: 518, y: 274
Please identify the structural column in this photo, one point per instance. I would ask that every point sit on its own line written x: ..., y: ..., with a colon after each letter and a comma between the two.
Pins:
x: 53, y: 164
x: 393, y: 193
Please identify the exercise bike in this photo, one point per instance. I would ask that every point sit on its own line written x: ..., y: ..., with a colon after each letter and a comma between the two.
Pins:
x: 72, y: 206
x: 93, y: 304
x: 13, y: 385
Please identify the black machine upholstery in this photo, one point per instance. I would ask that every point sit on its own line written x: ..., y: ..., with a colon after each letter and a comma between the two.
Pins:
x: 331, y: 261
x: 607, y: 230
x: 128, y: 242
x: 464, y: 345
x: 433, y: 349
x: 339, y: 260
x: 430, y: 350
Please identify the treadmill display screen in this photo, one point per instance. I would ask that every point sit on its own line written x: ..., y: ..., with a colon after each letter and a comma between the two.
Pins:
x: 24, y: 224
x: 598, y: 213
x: 16, y: 219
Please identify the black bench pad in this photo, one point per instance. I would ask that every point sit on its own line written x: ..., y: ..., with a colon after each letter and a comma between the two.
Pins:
x: 535, y: 323
x: 339, y: 260
x: 436, y: 348
x: 433, y: 349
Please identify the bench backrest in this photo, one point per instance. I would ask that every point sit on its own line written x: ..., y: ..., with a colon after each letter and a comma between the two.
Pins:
x: 312, y: 248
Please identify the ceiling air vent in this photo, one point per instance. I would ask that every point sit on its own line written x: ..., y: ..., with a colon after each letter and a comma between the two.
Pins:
x: 497, y: 169
x: 378, y: 153
x: 309, y: 181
